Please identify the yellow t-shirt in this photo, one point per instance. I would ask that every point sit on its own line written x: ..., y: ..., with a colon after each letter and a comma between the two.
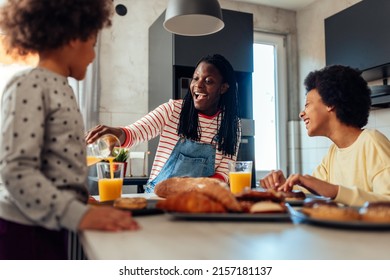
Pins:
x: 361, y: 170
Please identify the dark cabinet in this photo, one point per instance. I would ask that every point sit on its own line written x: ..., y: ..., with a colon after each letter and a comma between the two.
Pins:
x: 172, y: 60
x: 357, y: 37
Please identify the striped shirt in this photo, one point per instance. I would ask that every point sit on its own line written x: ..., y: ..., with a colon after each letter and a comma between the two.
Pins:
x: 164, y: 121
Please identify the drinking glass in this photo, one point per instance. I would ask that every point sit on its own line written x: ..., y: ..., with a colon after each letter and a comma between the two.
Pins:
x: 110, y: 180
x: 240, y: 175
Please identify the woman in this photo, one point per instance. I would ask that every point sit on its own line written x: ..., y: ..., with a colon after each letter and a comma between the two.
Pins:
x: 199, y: 135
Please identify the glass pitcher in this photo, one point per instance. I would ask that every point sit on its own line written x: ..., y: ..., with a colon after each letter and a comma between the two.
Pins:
x: 103, y: 148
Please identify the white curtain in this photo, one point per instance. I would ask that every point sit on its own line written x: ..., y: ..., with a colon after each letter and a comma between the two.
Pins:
x: 88, y: 92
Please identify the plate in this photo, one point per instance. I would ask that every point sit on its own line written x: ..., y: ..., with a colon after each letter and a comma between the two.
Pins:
x: 230, y: 216
x: 362, y: 225
x: 308, y: 197
x: 149, y: 210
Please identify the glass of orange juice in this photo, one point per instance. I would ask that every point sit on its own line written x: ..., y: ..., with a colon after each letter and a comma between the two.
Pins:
x: 110, y: 180
x: 240, y: 175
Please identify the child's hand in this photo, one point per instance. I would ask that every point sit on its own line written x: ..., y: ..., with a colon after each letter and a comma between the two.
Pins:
x: 108, y: 219
x: 92, y: 200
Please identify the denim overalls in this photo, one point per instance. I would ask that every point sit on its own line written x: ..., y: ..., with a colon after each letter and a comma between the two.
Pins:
x: 188, y: 159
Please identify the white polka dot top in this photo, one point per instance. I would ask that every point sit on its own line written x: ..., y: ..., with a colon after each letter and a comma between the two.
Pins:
x: 42, y: 160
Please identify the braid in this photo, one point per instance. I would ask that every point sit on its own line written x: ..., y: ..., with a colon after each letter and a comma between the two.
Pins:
x: 228, y: 120
x: 188, y: 124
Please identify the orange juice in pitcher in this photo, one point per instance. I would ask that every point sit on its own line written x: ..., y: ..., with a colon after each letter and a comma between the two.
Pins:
x: 91, y: 160
x: 102, y: 149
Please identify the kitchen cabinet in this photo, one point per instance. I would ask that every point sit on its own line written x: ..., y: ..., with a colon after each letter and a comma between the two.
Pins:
x: 172, y: 60
x: 357, y: 37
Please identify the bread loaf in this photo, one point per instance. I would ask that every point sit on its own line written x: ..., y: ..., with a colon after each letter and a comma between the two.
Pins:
x: 130, y: 203
x: 378, y: 212
x: 184, y: 184
x: 190, y: 202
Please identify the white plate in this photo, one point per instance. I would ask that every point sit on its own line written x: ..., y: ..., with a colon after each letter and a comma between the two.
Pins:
x: 303, y: 218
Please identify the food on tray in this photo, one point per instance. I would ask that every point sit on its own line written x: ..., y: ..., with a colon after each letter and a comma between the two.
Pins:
x: 309, y: 204
x: 131, y: 203
x: 334, y: 213
x: 191, y: 202
x: 329, y: 210
x: 293, y: 195
x: 268, y: 207
x: 254, y: 196
x: 378, y: 212
x: 223, y: 196
x: 184, y: 184
x: 246, y: 205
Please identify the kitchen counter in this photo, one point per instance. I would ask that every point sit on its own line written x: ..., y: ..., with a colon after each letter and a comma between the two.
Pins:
x: 163, y: 238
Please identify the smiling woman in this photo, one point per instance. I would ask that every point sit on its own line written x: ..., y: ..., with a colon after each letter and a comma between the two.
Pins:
x: 199, y: 134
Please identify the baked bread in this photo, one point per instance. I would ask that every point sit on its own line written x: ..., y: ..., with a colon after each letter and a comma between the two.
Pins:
x: 190, y: 202
x: 246, y: 205
x: 333, y: 213
x: 294, y: 195
x: 220, y: 193
x: 268, y: 207
x: 131, y: 203
x: 184, y: 184
x: 377, y: 212
x: 310, y: 203
x: 255, y: 196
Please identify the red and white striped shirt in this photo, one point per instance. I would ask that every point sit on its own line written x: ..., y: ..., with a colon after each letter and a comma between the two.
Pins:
x: 164, y: 121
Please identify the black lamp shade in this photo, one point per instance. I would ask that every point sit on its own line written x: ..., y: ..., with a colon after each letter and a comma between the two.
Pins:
x: 193, y: 17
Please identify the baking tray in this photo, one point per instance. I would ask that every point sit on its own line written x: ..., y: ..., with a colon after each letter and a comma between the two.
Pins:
x: 258, y: 217
x: 355, y: 224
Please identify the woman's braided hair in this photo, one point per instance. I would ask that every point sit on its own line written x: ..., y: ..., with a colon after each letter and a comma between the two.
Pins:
x: 228, y: 120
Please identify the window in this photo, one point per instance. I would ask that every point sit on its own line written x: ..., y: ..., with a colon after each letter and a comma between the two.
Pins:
x: 269, y: 103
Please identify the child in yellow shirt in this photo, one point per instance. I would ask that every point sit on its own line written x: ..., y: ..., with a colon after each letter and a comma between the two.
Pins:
x: 356, y: 168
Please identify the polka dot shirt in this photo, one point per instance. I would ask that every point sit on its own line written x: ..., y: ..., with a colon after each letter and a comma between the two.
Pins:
x: 43, y: 162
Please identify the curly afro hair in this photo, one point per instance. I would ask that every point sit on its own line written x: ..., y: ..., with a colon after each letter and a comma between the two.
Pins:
x: 40, y: 25
x: 343, y: 88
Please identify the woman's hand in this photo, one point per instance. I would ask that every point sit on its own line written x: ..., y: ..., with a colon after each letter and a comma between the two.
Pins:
x: 312, y: 184
x: 273, y: 180
x: 100, y: 130
x: 107, y: 219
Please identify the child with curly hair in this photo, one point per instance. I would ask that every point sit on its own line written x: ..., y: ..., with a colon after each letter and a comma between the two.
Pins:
x: 43, y: 158
x: 356, y: 168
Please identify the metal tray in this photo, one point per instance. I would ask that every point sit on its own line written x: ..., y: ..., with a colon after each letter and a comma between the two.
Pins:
x: 231, y: 216
x: 308, y: 197
x: 361, y: 225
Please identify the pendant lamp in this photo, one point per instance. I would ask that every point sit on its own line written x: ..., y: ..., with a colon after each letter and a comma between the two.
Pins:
x: 193, y: 17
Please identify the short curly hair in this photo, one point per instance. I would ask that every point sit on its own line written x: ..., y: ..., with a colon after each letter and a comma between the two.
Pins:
x: 345, y: 89
x: 41, y: 25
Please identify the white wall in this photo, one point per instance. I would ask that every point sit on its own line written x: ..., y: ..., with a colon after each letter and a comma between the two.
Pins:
x: 311, y: 51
